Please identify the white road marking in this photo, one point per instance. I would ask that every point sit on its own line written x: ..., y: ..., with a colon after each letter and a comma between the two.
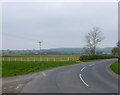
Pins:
x: 19, y: 85
x: 83, y: 68
x: 91, y: 64
x: 83, y: 80
x: 43, y: 74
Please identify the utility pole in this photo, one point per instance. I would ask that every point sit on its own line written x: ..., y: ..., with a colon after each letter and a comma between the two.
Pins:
x: 40, y: 42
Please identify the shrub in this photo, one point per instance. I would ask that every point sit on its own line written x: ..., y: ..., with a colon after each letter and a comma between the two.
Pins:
x: 118, y: 58
x: 94, y: 57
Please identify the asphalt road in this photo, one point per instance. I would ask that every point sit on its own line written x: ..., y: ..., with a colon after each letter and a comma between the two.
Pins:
x: 88, y: 77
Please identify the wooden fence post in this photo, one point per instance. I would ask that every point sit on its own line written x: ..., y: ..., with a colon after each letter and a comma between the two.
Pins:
x: 47, y: 59
x: 40, y: 59
x: 68, y: 58
x: 15, y: 58
x: 3, y: 59
x: 54, y: 59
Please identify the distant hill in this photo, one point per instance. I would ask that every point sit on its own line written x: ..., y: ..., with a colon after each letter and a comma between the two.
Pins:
x: 106, y: 50
x: 68, y: 50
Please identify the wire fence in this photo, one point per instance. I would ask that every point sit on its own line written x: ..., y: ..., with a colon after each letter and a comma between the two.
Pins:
x: 27, y: 59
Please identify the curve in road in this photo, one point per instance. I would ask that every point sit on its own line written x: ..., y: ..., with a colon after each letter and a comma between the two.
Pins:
x: 87, y: 77
x: 90, y: 77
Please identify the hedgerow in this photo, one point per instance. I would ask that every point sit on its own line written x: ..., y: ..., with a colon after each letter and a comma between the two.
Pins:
x: 95, y: 57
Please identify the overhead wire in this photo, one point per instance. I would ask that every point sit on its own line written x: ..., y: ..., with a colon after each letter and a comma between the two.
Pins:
x: 28, y: 39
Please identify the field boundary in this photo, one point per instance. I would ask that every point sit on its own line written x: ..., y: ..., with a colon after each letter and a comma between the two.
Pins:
x: 28, y: 59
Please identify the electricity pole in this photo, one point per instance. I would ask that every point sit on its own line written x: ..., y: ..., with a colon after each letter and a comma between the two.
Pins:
x: 40, y: 42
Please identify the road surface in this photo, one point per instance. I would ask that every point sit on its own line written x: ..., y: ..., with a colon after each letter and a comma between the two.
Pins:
x: 88, y: 77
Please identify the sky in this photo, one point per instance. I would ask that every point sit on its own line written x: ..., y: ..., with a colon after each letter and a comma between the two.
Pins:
x: 57, y: 24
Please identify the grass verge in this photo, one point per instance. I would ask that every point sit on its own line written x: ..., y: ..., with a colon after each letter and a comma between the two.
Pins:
x: 115, y: 67
x: 19, y: 68
x: 0, y: 69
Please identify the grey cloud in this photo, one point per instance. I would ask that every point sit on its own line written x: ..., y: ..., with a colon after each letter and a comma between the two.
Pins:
x: 63, y: 24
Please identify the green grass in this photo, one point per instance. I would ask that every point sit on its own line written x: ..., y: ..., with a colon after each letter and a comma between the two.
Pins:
x: 18, y: 68
x: 15, y: 66
x: 115, y: 67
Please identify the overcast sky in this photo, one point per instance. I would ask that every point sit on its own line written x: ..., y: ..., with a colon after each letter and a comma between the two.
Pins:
x: 58, y: 25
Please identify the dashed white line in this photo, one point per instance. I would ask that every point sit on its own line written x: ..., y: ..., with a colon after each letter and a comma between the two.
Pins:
x: 40, y: 75
x: 91, y: 64
x: 19, y: 85
x: 43, y: 74
x: 83, y: 68
x: 83, y: 80
x: 81, y: 76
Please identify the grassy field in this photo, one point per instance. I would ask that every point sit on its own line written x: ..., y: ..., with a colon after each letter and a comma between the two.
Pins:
x: 116, y: 67
x: 13, y: 65
x: 18, y: 68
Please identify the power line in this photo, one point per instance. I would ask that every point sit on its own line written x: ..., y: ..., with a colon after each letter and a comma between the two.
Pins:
x: 17, y: 37
x: 28, y: 39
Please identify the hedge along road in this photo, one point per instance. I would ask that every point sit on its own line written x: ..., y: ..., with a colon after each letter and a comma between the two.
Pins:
x: 90, y: 77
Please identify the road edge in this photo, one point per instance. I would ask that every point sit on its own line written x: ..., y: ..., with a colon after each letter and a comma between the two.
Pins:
x: 112, y: 72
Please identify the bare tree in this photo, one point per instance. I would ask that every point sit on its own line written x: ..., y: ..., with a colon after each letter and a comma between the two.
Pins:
x: 93, y: 38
